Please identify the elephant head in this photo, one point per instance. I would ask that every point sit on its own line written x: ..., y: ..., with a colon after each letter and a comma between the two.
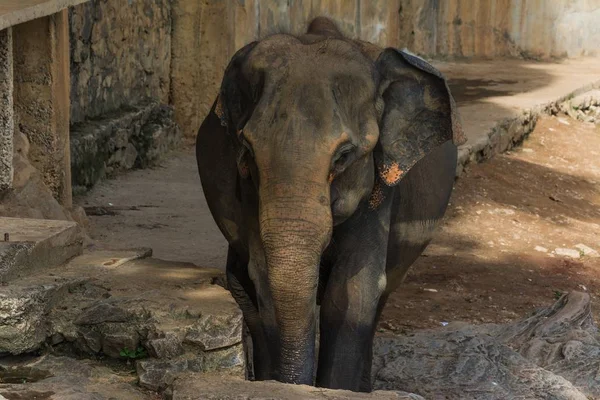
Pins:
x: 317, y: 122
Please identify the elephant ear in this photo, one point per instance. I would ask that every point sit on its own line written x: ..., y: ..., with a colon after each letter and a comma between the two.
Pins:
x: 237, y: 92
x: 419, y: 113
x: 238, y: 95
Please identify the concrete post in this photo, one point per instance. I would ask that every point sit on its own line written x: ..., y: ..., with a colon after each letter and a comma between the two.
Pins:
x: 41, y: 95
x: 6, y: 110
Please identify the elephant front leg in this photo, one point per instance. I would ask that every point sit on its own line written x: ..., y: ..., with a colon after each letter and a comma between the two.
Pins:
x: 244, y: 293
x: 351, y: 306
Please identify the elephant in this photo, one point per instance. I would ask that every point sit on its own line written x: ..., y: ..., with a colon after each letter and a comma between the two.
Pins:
x: 326, y: 162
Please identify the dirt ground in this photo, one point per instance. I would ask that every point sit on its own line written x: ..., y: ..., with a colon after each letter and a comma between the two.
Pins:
x: 492, y: 259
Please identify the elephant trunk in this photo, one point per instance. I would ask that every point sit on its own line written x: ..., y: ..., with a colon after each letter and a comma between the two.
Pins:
x: 295, y: 227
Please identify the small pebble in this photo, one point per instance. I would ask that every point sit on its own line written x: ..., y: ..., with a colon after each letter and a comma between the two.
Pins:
x: 430, y: 290
x: 540, y: 249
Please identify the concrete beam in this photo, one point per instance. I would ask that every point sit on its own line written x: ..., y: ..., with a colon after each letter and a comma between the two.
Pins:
x: 6, y: 110
x: 13, y: 12
x: 41, y: 96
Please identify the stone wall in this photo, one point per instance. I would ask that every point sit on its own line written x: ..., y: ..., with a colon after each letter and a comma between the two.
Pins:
x: 191, y: 42
x: 501, y: 28
x: 136, y: 137
x: 120, y: 55
x: 120, y: 87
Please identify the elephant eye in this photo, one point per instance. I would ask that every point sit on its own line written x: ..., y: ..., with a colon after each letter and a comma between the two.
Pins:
x: 343, y: 156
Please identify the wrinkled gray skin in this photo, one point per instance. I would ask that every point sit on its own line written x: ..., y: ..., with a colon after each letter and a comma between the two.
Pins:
x: 326, y: 163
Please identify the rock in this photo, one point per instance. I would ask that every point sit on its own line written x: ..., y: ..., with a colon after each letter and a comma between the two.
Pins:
x: 90, y: 340
x: 555, y: 354
x: 586, y: 100
x: 215, y: 331
x: 219, y: 387
x: 157, y: 375
x: 231, y: 359
x: 587, y: 251
x: 30, y: 197
x: 93, y: 305
x: 119, y: 337
x: 567, y: 253
x: 540, y: 249
x: 166, y: 347
x: 101, y: 312
x: 24, y: 309
x: 129, y: 156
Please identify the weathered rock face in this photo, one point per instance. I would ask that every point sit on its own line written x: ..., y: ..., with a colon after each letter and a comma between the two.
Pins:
x: 553, y: 354
x: 168, y: 317
x: 120, y: 55
x: 137, y: 137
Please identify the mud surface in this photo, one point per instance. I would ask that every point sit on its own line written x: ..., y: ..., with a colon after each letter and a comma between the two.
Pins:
x: 482, y: 266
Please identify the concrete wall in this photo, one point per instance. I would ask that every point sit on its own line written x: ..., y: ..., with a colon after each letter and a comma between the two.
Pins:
x: 497, y: 28
x: 120, y: 55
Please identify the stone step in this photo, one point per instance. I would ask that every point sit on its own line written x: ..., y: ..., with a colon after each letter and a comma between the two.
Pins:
x: 217, y: 387
x: 51, y: 377
x: 165, y: 317
x: 30, y: 245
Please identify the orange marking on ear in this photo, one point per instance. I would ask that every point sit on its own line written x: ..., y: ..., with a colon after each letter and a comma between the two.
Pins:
x: 377, y: 196
x: 391, y: 173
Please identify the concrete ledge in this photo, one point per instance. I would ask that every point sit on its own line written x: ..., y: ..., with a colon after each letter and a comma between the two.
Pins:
x: 500, y: 101
x: 13, y: 12
x: 35, y: 245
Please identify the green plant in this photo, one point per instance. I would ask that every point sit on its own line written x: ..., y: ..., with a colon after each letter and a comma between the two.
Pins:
x: 557, y: 294
x: 138, y: 353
